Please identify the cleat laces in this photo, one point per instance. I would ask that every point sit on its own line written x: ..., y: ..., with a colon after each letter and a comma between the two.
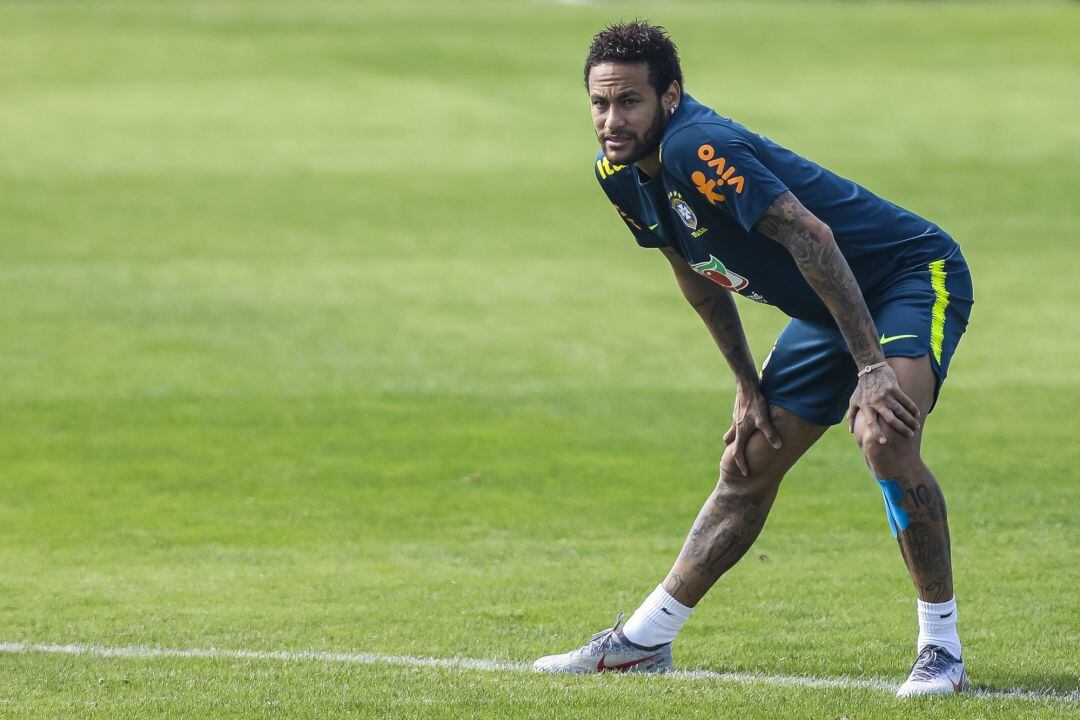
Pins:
x: 602, y: 640
x: 931, y: 663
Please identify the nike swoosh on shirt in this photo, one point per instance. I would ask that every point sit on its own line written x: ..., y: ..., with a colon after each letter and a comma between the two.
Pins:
x: 895, y: 337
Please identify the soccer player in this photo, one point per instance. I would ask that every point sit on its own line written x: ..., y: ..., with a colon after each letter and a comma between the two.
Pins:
x: 878, y: 299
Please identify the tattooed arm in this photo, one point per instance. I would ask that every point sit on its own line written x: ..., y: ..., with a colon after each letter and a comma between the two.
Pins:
x: 717, y: 309
x: 811, y: 244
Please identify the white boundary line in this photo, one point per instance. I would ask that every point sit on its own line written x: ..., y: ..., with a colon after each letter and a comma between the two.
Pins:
x: 142, y: 651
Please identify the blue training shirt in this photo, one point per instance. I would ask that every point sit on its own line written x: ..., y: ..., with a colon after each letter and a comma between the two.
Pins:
x: 717, y: 178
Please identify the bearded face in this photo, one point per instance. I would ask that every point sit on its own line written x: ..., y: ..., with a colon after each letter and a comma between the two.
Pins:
x: 628, y: 115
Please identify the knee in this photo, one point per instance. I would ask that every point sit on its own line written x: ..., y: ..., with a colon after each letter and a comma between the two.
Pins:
x: 763, y: 461
x: 896, y: 456
x: 728, y: 467
x: 738, y: 493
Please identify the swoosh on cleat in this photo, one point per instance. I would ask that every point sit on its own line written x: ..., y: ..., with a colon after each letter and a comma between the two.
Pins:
x: 601, y: 667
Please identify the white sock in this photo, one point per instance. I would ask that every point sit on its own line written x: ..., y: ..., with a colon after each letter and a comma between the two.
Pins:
x: 657, y: 621
x: 937, y: 626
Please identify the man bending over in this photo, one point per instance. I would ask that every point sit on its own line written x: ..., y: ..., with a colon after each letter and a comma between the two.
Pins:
x: 878, y: 298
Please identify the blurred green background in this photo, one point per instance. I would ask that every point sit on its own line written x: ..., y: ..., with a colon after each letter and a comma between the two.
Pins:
x: 319, y: 334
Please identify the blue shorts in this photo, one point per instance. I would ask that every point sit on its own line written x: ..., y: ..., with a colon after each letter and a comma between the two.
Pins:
x: 923, y: 311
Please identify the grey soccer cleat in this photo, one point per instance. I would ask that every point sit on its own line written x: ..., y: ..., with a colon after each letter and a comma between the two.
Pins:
x: 609, y: 651
x: 935, y: 672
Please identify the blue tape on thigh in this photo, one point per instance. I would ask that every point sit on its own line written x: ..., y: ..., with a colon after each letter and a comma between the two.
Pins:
x: 893, y: 495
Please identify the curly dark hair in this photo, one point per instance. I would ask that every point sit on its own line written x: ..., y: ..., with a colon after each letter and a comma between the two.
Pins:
x: 636, y: 42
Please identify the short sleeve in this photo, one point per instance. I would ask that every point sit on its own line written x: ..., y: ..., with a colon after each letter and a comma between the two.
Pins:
x: 605, y: 175
x: 722, y: 166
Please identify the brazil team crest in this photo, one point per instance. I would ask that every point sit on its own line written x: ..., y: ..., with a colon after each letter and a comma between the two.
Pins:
x: 684, y: 211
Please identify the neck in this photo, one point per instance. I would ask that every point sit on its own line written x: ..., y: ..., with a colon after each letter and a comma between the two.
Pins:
x: 650, y: 164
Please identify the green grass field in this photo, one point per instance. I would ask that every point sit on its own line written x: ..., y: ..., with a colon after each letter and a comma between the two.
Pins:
x: 319, y: 336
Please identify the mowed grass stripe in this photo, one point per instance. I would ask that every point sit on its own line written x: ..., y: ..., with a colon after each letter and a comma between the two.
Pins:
x: 361, y: 658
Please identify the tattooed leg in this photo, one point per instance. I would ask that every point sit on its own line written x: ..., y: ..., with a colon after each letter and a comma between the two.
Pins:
x: 724, y: 530
x: 924, y: 542
x: 735, y: 512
